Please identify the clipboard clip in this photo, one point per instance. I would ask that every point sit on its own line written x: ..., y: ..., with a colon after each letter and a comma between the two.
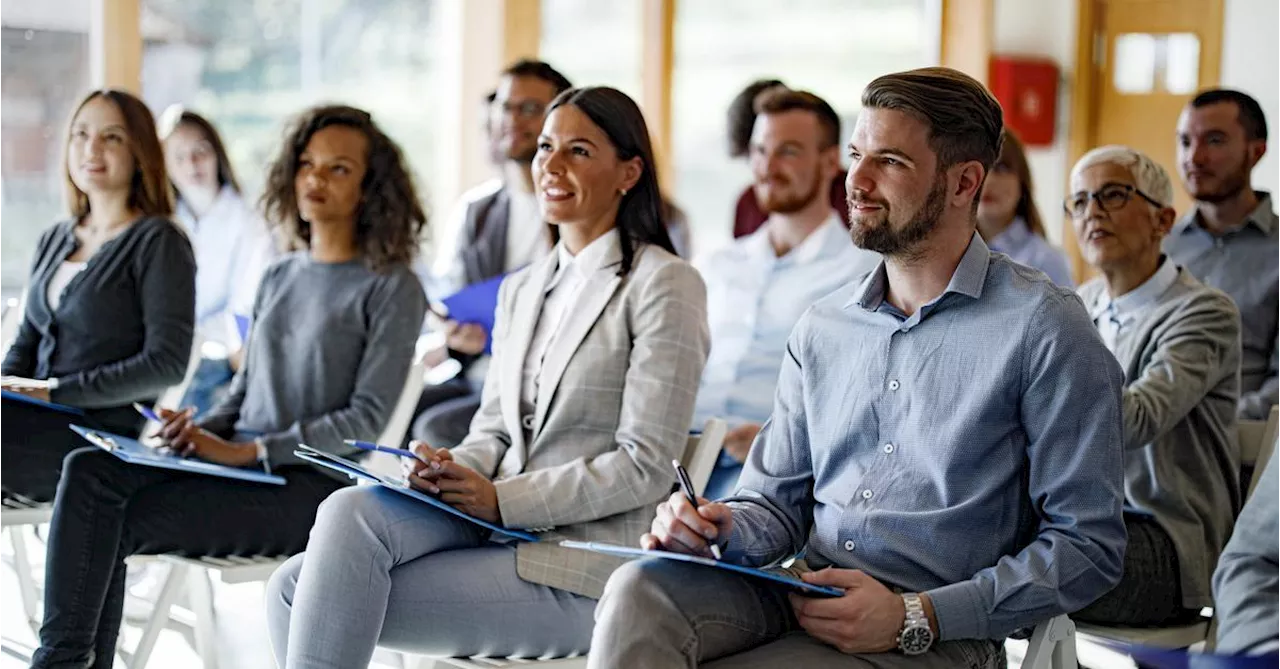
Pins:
x: 103, y: 442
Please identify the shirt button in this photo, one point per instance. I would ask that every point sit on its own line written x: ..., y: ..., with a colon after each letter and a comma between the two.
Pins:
x: 527, y: 422
x: 894, y: 385
x: 888, y: 448
x: 866, y: 494
x: 848, y: 545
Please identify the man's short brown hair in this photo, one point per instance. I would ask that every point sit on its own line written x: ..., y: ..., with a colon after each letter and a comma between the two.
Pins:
x: 779, y: 100
x: 965, y: 121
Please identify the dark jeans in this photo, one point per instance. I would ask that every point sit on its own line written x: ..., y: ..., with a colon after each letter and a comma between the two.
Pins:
x: 1150, y: 591
x: 444, y: 413
x: 34, y: 441
x: 207, y: 385
x: 107, y: 509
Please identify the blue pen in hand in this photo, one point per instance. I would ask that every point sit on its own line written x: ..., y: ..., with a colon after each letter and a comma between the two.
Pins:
x: 147, y: 412
x: 687, y: 486
x: 370, y: 446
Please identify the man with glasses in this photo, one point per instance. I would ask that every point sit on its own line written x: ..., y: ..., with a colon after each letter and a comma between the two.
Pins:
x: 1229, y: 241
x: 500, y: 231
x: 1178, y: 342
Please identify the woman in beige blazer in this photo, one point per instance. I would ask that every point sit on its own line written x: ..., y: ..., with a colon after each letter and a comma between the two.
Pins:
x: 597, y: 353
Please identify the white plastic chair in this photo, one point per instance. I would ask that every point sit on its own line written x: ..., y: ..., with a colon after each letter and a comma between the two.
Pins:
x: 195, y: 575
x: 701, y: 452
x: 14, y: 309
x: 1257, y: 440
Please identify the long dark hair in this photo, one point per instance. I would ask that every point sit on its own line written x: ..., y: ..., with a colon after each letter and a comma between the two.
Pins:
x: 640, y: 219
x: 390, y: 221
x: 175, y: 117
x: 149, y: 191
x: 1013, y: 155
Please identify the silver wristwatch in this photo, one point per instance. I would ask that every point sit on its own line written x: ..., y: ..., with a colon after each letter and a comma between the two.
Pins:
x: 916, y: 637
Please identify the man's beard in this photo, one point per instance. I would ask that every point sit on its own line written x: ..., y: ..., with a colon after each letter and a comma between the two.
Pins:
x: 1229, y: 186
x: 885, y: 240
x: 778, y: 203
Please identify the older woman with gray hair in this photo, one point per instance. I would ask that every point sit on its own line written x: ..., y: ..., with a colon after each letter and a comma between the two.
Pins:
x: 1179, y: 344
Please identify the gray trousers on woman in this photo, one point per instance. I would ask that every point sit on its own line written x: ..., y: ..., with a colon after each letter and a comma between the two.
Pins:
x: 382, y: 569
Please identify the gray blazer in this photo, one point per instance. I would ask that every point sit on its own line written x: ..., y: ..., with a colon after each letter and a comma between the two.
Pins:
x: 482, y: 242
x: 613, y: 410
x: 1246, y: 584
x: 1181, y: 362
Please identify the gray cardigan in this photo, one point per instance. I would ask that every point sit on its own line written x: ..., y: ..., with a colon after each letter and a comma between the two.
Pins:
x: 122, y: 332
x: 1181, y: 360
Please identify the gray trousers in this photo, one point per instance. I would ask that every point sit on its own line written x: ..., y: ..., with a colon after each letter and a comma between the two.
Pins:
x: 658, y: 614
x: 382, y: 569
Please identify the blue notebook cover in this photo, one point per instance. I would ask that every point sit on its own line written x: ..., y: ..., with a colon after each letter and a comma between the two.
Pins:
x: 354, y: 470
x: 19, y: 397
x: 132, y: 451
x: 242, y: 327
x: 801, y: 588
x: 1147, y: 657
x: 476, y: 304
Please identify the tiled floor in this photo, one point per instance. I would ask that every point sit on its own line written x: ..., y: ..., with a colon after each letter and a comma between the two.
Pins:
x: 242, y: 635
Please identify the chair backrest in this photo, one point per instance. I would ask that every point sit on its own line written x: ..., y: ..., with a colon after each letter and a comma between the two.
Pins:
x: 402, y: 413
x: 1257, y: 443
x: 14, y: 308
x: 702, y: 451
x: 172, y: 396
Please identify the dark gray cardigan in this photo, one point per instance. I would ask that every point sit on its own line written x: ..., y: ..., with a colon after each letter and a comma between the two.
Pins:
x: 122, y: 332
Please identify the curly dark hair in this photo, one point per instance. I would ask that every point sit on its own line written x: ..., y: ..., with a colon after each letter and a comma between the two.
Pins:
x: 390, y: 222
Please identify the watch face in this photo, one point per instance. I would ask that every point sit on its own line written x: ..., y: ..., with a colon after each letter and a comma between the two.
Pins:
x: 915, y: 640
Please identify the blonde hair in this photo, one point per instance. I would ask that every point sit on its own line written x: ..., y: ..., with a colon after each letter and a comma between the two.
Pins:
x: 1148, y: 176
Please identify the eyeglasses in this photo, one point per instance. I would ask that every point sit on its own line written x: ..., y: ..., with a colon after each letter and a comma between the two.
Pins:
x: 1112, y: 197
x: 526, y: 109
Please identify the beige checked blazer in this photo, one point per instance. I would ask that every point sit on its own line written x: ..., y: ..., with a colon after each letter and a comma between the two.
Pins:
x: 613, y: 409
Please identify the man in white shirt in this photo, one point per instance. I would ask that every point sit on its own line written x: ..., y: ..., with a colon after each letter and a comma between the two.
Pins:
x: 758, y: 287
x: 500, y: 231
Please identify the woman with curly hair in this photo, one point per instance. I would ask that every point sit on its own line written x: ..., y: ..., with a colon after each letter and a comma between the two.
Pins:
x: 331, y: 342
x: 597, y: 352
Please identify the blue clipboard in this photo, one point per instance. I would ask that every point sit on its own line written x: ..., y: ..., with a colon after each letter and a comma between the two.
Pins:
x: 799, y: 586
x: 355, y: 470
x: 477, y: 304
x: 1147, y: 657
x: 133, y: 451
x: 61, y: 408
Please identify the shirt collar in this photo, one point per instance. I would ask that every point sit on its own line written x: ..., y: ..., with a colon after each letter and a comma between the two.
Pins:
x: 1263, y: 217
x: 1124, y: 308
x: 1013, y: 236
x: 600, y: 253
x: 819, y: 242
x: 968, y: 279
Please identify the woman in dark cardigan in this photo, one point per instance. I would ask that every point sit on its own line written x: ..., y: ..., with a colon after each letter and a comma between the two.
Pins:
x: 111, y: 300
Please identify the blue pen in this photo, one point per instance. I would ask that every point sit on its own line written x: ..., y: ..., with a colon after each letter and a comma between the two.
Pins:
x: 147, y: 412
x: 370, y: 446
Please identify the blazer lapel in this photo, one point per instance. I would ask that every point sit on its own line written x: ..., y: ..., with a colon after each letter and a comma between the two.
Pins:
x: 583, y: 313
x: 524, y: 318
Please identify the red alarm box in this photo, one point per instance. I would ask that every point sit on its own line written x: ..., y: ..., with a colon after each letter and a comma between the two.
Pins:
x: 1027, y: 88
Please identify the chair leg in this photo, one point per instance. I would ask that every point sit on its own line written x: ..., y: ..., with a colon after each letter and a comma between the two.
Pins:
x: 169, y: 592
x: 1052, y: 646
x: 26, y: 578
x: 200, y: 593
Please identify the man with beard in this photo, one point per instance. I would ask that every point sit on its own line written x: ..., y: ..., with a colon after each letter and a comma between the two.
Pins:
x: 1230, y: 240
x: 945, y: 441
x: 758, y: 286
x: 501, y: 231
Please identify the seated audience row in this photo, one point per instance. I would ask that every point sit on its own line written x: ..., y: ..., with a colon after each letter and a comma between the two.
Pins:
x: 958, y: 442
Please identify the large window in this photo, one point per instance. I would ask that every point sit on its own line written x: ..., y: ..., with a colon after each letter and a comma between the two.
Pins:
x: 45, y: 71
x: 594, y: 42
x: 832, y: 48
x: 249, y: 65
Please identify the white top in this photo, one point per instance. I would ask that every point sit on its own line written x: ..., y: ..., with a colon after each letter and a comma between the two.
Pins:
x: 562, y: 291
x: 60, y: 279
x: 754, y: 299
x: 1112, y: 314
x: 233, y: 248
x: 526, y: 231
